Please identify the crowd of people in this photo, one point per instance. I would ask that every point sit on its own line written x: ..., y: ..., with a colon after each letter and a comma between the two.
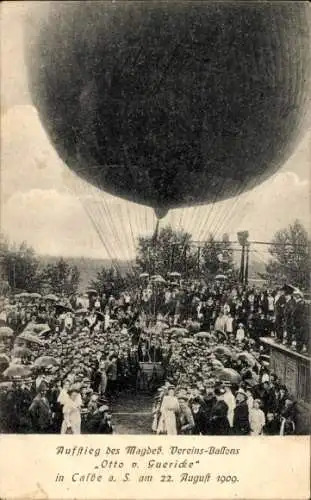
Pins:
x: 63, y: 361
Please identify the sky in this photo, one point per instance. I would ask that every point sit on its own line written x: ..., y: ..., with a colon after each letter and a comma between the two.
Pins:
x: 49, y: 207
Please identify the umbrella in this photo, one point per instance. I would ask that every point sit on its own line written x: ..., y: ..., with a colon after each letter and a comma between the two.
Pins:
x: 178, y: 331
x: 51, y: 297
x: 28, y: 337
x: 202, y: 335
x: 217, y: 364
x: 144, y: 275
x: 187, y: 341
x: 289, y: 288
x: 17, y: 371
x: 37, y: 329
x: 61, y: 308
x: 35, y: 295
x: 24, y: 295
x: 174, y: 273
x: 21, y: 352
x: 248, y: 358
x: 222, y: 350
x: 158, y: 279
x: 221, y: 277
x: 82, y: 311
x: 45, y: 361
x: 6, y: 331
x: 228, y: 375
x: 5, y: 386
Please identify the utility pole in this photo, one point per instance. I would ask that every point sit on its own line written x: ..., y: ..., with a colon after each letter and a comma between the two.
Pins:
x: 199, y: 260
x: 242, y: 239
x: 246, y: 264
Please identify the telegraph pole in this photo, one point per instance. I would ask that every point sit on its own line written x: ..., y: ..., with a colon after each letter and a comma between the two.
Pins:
x: 246, y: 264
x: 242, y: 239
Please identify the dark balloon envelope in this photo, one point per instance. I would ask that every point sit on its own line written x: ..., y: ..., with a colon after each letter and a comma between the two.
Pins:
x: 171, y: 104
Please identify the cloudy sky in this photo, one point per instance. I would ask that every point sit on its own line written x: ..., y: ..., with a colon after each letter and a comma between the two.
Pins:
x: 43, y: 203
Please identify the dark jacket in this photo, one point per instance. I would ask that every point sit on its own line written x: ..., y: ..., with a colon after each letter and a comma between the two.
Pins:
x: 241, y: 425
x: 41, y: 416
x: 200, y: 423
x: 218, y: 422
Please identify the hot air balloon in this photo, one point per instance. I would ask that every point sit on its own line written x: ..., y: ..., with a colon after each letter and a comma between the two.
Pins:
x: 171, y: 104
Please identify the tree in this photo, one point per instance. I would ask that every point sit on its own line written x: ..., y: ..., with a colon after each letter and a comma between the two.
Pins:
x: 20, y: 266
x: 109, y: 281
x: 217, y: 256
x: 61, y: 277
x: 165, y: 252
x: 290, y: 251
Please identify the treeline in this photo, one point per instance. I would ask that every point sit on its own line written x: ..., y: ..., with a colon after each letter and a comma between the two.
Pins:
x: 21, y: 269
x: 165, y: 252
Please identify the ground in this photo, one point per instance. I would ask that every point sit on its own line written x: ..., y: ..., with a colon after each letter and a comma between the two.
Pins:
x: 131, y: 414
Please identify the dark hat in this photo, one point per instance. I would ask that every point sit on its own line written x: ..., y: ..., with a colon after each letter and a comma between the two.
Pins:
x: 288, y: 289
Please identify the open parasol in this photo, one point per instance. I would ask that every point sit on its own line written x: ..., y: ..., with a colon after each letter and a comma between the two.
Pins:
x: 81, y: 311
x: 35, y: 295
x: 62, y: 308
x: 187, y: 340
x: 221, y: 277
x: 157, y: 279
x: 15, y: 370
x: 144, y: 275
x: 51, y: 297
x: 202, y: 335
x: 28, y: 337
x: 248, y: 358
x: 6, y: 332
x: 37, y: 329
x: 178, y: 331
x: 228, y: 375
x: 45, y: 361
x: 222, y: 351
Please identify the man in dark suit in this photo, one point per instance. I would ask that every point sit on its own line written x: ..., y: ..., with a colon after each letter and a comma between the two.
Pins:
x: 241, y: 425
x: 218, y: 422
x: 40, y: 411
x: 199, y: 417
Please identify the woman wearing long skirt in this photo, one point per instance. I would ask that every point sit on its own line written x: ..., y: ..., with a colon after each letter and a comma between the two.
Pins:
x: 169, y: 411
x: 72, y: 416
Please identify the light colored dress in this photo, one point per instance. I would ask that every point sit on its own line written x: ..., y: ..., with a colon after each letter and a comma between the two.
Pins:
x: 72, y: 417
x: 230, y: 400
x: 167, y: 422
x: 257, y: 421
x: 63, y: 397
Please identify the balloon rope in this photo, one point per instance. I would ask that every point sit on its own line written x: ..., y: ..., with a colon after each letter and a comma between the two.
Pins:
x: 203, y: 227
x: 98, y: 231
x: 232, y: 212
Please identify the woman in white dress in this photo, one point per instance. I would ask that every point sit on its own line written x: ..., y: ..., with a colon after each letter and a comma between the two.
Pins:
x: 63, y: 395
x: 257, y: 418
x: 72, y: 416
x: 169, y: 411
